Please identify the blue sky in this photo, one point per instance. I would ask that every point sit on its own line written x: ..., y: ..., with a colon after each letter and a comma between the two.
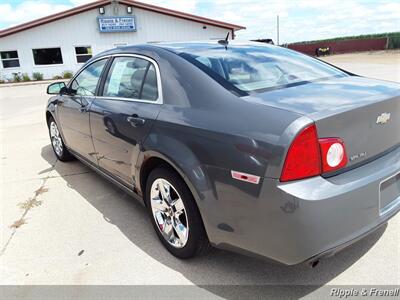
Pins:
x: 299, y: 19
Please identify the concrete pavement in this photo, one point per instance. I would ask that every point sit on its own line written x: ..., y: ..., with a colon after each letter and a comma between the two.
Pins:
x: 63, y: 224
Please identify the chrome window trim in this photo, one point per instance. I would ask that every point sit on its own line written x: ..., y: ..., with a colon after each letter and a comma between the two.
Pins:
x: 159, y: 100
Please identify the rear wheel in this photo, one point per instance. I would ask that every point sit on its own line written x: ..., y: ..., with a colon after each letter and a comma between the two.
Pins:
x: 57, y: 142
x: 174, y: 214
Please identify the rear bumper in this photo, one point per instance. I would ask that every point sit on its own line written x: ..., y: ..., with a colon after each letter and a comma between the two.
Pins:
x: 304, y: 220
x: 331, y: 252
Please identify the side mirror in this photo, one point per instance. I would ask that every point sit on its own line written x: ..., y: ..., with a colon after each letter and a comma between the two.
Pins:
x: 57, y: 88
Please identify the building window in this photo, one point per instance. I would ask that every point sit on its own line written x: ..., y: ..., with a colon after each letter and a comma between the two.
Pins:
x: 9, y: 59
x: 47, y: 56
x: 83, y: 54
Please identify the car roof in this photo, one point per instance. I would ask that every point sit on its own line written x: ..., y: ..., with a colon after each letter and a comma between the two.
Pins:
x: 181, y: 47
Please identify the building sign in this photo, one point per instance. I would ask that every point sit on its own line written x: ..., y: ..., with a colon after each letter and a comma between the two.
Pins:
x: 117, y: 24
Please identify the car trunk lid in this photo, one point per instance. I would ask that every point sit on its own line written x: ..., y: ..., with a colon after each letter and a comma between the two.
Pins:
x: 365, y: 113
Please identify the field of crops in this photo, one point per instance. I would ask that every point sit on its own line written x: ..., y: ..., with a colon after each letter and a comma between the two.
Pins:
x: 393, y: 42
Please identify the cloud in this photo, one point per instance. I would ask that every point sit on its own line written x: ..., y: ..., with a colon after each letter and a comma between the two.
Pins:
x: 306, y: 19
x: 27, y: 11
x: 188, y: 6
x: 80, y: 2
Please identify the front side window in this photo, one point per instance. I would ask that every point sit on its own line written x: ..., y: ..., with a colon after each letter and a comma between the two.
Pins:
x: 133, y: 78
x: 86, y: 82
x: 256, y: 68
x: 47, y: 56
x: 9, y: 59
x: 83, y: 54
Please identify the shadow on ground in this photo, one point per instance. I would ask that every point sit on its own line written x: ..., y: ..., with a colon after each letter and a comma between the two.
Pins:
x: 217, y: 269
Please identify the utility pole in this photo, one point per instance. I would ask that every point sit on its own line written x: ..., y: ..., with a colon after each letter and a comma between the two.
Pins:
x: 277, y: 30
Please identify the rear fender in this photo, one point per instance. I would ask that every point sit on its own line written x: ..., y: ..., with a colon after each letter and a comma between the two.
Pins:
x: 183, y: 160
x: 180, y: 157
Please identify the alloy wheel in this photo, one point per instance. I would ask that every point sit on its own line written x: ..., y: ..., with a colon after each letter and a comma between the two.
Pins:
x: 169, y: 213
x: 56, y: 140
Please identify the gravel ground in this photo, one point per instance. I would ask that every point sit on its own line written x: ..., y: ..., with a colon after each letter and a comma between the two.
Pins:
x: 379, y: 64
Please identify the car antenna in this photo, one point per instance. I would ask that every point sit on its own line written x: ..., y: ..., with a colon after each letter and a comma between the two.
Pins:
x: 225, y: 42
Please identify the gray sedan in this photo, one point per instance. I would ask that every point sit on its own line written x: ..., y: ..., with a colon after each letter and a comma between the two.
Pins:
x: 242, y: 146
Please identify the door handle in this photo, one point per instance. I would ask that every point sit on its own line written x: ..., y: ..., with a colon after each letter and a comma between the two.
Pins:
x: 136, y: 121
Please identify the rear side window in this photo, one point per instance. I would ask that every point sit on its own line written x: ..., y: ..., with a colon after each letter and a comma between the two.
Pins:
x: 131, y: 77
x: 150, y: 91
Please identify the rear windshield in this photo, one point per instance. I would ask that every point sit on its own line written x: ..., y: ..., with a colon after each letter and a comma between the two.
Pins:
x: 257, y: 68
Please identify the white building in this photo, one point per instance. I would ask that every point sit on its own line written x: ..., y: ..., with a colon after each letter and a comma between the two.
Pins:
x: 63, y: 41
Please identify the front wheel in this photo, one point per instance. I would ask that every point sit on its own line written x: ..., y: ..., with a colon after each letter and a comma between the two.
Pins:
x: 174, y: 214
x: 57, y: 142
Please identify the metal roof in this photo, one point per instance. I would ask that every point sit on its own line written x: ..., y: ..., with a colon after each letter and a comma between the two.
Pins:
x: 99, y: 3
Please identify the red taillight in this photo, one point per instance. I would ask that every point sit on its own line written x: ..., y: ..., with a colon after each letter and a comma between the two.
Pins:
x: 333, y: 153
x: 303, y: 158
x: 309, y: 156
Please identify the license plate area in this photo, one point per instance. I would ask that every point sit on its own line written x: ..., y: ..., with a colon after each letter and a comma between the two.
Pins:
x: 389, y: 194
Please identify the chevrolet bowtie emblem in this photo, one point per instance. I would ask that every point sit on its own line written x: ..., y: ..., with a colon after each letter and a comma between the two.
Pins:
x: 383, y: 118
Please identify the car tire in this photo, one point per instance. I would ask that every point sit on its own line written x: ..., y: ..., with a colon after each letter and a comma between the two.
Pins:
x: 178, y: 224
x: 57, y: 142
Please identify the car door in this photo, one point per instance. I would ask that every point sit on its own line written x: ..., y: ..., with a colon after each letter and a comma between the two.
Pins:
x: 73, y: 110
x: 123, y: 114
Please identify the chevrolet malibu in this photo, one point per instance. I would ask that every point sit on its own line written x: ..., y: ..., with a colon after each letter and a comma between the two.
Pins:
x: 243, y: 146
